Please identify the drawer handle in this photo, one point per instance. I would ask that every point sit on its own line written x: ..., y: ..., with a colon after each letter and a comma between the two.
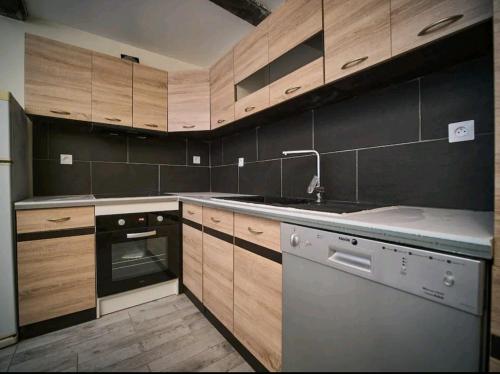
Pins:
x: 292, y: 90
x: 62, y: 112
x: 255, y: 231
x: 113, y: 119
x: 190, y: 212
x: 249, y: 108
x: 58, y: 220
x: 188, y: 126
x: 441, y: 24
x: 151, y: 125
x: 221, y: 121
x: 352, y: 63
x: 215, y: 220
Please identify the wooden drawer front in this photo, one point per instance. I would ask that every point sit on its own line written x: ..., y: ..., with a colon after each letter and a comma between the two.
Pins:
x: 192, y: 260
x: 149, y: 98
x: 251, y: 53
x: 300, y: 81
x: 261, y: 231
x: 433, y: 19
x: 189, y: 100
x: 222, y: 92
x: 357, y: 35
x: 40, y: 220
x: 252, y: 103
x: 193, y: 212
x: 217, y: 219
x: 111, y: 90
x: 58, y: 80
x: 293, y: 23
x: 257, y: 306
x: 218, y: 278
x: 56, y: 277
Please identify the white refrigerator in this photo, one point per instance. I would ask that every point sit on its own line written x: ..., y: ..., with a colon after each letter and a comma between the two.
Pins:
x: 15, y: 184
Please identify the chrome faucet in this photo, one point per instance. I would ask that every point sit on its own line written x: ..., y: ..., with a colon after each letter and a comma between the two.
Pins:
x: 315, y: 184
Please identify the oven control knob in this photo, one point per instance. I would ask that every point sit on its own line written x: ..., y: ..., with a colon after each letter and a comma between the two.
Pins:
x: 121, y: 222
x: 159, y: 218
x: 294, y: 240
x: 449, y: 280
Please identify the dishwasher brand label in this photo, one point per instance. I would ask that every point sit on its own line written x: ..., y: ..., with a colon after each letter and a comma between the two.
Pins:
x: 433, y: 293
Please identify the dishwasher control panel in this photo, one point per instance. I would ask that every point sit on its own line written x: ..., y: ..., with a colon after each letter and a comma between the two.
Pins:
x: 446, y: 279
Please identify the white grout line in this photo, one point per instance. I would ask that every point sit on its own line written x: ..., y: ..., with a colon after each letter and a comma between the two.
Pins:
x: 357, y: 176
x: 281, y: 177
x: 159, y: 179
x: 312, y: 127
x: 419, y: 109
x: 257, y: 142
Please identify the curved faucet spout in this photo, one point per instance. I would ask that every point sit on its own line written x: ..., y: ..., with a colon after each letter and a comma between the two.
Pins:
x: 315, y: 185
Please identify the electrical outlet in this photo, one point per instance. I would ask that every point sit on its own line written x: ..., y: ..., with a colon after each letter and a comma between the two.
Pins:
x: 241, y: 162
x: 196, y: 160
x: 460, y: 131
x: 66, y: 159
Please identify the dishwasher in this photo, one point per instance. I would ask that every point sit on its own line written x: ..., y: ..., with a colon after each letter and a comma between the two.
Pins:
x: 357, y: 304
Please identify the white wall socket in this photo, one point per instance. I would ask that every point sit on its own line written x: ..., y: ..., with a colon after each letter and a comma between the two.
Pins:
x: 196, y: 160
x: 460, y: 131
x: 66, y: 159
x: 241, y: 162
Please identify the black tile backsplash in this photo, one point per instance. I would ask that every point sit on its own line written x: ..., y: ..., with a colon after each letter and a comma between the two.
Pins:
x: 150, y: 149
x: 123, y: 178
x: 184, y: 179
x: 52, y: 178
x: 199, y: 148
x: 383, y: 147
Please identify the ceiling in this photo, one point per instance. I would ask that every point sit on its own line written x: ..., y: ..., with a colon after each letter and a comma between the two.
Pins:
x: 193, y: 31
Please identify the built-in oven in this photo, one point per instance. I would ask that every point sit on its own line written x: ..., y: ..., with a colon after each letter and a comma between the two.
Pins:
x: 136, y: 250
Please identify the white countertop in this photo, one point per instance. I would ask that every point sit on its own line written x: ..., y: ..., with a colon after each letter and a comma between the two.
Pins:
x: 455, y: 231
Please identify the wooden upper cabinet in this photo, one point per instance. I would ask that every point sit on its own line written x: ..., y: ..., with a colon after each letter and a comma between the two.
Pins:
x: 111, y: 90
x: 149, y: 98
x: 251, y: 53
x: 293, y: 23
x: 357, y: 35
x: 222, y: 91
x: 417, y: 22
x: 57, y: 79
x: 188, y: 100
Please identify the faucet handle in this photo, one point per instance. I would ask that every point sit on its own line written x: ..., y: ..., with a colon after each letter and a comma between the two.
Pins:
x: 313, y: 184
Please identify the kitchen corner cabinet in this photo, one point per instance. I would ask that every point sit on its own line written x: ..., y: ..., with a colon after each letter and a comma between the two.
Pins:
x: 111, y: 90
x: 57, y: 79
x: 222, y: 92
x: 149, y: 98
x: 417, y: 22
x: 188, y: 100
x: 357, y: 35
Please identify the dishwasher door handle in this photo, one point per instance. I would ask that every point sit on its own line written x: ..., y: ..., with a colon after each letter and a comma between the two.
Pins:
x: 351, y: 260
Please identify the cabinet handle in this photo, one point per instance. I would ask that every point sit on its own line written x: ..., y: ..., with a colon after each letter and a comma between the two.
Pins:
x: 190, y: 212
x: 221, y: 121
x: 215, y: 220
x: 255, y: 231
x: 438, y: 25
x: 292, y: 90
x: 58, y: 220
x: 352, y: 63
x: 62, y: 112
x: 249, y: 108
x: 151, y: 125
x: 113, y: 119
x: 188, y: 126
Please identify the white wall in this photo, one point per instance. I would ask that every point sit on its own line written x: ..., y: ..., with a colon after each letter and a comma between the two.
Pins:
x: 12, y: 50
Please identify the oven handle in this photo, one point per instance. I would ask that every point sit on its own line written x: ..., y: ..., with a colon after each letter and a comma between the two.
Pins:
x: 141, y: 234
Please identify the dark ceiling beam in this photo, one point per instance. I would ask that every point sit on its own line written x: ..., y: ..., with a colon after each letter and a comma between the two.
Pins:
x: 14, y: 9
x: 248, y: 10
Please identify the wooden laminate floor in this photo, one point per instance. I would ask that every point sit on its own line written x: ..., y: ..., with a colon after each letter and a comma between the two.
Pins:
x: 165, y: 335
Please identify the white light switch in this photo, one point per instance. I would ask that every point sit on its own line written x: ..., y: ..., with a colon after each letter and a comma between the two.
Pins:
x: 66, y: 159
x: 460, y: 131
x: 196, y: 159
x: 241, y: 162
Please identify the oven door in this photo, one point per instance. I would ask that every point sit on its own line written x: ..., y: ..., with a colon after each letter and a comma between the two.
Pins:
x: 133, y: 258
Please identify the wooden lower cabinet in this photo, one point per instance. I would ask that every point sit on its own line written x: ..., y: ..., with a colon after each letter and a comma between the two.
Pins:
x: 258, y: 306
x: 218, y: 279
x: 192, y: 260
x: 56, y: 277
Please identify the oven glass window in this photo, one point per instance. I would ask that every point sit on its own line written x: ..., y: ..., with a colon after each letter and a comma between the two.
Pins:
x: 137, y: 258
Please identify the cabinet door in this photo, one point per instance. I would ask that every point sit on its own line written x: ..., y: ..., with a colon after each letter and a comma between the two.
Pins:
x: 258, y: 306
x: 192, y: 260
x: 57, y: 79
x: 56, y: 277
x: 222, y: 92
x: 417, y: 22
x: 357, y: 35
x: 253, y: 103
x: 218, y: 278
x: 149, y: 98
x: 188, y: 100
x: 111, y: 90
x: 291, y: 24
x: 251, y: 53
